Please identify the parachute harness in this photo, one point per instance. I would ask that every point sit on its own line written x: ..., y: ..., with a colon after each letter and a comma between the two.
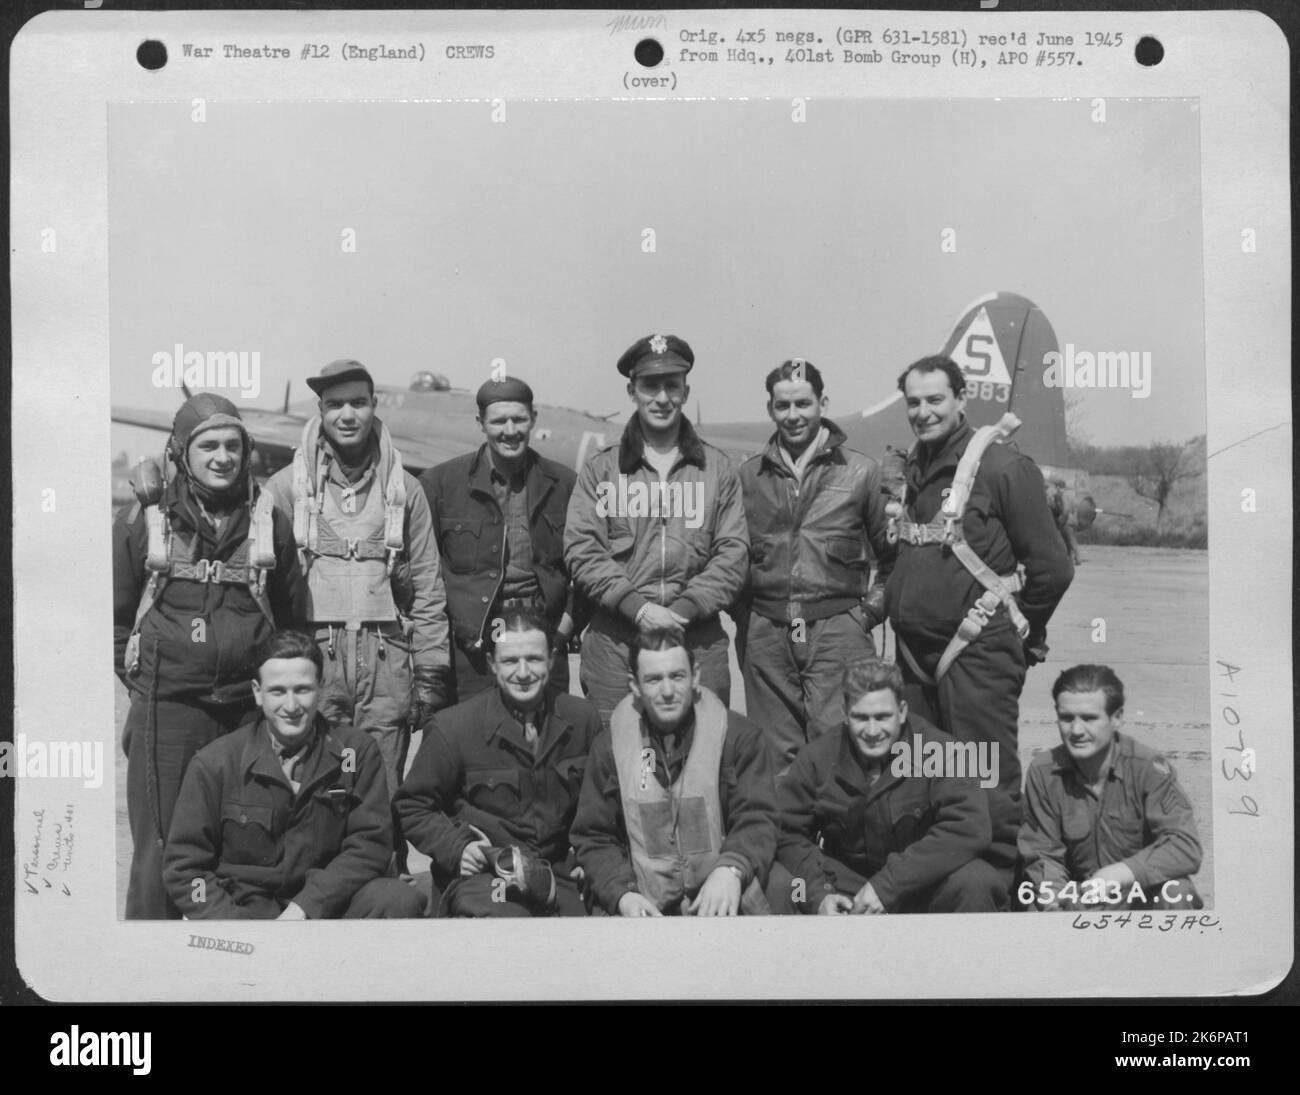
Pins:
x: 947, y: 529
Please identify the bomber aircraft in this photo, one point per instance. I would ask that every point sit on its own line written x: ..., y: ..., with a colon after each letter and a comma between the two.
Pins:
x: 1000, y: 341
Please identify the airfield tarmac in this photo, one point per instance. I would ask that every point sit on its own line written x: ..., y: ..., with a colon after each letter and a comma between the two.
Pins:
x: 1155, y: 606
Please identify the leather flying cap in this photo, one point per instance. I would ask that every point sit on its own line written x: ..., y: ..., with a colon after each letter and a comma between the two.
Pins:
x: 509, y: 390
x: 336, y: 372
x: 204, y: 411
x: 655, y: 355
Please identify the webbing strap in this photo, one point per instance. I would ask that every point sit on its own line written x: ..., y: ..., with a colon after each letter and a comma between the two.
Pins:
x: 328, y: 542
x: 977, y: 618
x: 150, y: 594
x: 1001, y: 588
x: 261, y: 528
x: 249, y: 566
x: 946, y: 529
x: 156, y: 550
x: 213, y: 570
x: 936, y: 532
x: 394, y: 484
x: 305, y: 502
x: 309, y: 497
x: 915, y: 666
x: 963, y: 481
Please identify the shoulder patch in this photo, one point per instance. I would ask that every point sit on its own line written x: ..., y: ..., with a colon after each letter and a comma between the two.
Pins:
x: 1162, y: 766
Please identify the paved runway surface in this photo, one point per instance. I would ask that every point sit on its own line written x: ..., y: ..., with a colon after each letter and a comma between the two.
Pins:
x: 1154, y: 604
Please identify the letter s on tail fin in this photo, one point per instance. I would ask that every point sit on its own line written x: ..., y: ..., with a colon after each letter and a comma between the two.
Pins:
x: 1002, y: 342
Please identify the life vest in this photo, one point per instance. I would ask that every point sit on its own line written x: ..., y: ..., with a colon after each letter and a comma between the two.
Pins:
x: 172, y: 555
x: 348, y: 555
x: 947, y: 530
x: 674, y: 833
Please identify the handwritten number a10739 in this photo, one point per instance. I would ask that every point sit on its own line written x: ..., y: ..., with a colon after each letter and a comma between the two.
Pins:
x: 1231, y: 774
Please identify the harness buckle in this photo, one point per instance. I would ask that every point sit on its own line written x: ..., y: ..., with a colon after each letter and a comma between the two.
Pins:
x: 203, y: 570
x: 353, y: 546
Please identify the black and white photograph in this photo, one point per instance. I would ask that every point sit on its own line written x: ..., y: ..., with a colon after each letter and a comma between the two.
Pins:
x: 668, y: 500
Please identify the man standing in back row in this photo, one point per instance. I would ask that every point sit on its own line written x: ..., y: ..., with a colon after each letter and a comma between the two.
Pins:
x: 816, y: 515
x: 968, y: 624
x: 655, y: 535
x: 376, y: 601
x: 498, y: 515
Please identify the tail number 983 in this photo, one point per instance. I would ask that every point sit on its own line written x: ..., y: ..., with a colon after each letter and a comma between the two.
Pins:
x: 986, y: 389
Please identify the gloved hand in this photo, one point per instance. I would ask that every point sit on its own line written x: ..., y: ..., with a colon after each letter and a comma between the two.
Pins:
x: 873, y: 608
x: 422, y: 715
x: 432, y: 690
x: 1036, y: 648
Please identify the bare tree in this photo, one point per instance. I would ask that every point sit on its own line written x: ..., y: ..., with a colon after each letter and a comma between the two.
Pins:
x: 1160, y: 467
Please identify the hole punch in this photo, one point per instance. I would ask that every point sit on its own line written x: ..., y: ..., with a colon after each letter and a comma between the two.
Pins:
x: 648, y: 53
x: 151, y: 54
x: 1148, y: 51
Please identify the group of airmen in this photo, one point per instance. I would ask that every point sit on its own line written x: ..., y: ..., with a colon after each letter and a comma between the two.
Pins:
x: 282, y: 644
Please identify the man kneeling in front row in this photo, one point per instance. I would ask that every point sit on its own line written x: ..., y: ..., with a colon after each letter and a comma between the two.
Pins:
x: 901, y: 829
x: 676, y: 809
x: 493, y: 789
x: 285, y: 818
x: 1106, y: 822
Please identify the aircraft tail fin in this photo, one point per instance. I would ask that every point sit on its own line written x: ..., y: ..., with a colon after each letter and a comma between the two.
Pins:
x: 1002, y: 342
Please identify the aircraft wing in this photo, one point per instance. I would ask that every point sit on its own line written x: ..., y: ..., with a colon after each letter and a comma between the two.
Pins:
x: 418, y: 456
x: 739, y: 440
x: 276, y: 435
x: 150, y: 420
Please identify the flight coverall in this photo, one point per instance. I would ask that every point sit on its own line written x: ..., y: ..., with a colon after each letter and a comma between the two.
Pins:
x: 746, y: 793
x: 1142, y: 818
x: 811, y: 603
x: 1006, y: 522
x: 919, y: 840
x: 380, y: 668
x: 689, y: 552
x: 473, y: 542
x: 196, y: 667
x: 476, y: 770
x: 244, y: 844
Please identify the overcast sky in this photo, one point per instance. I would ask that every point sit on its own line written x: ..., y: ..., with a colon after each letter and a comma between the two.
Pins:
x: 522, y: 240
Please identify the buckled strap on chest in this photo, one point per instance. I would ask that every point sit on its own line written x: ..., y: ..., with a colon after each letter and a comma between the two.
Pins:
x: 249, y: 565
x: 328, y: 542
x: 312, y: 533
x: 212, y: 570
x: 938, y: 531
